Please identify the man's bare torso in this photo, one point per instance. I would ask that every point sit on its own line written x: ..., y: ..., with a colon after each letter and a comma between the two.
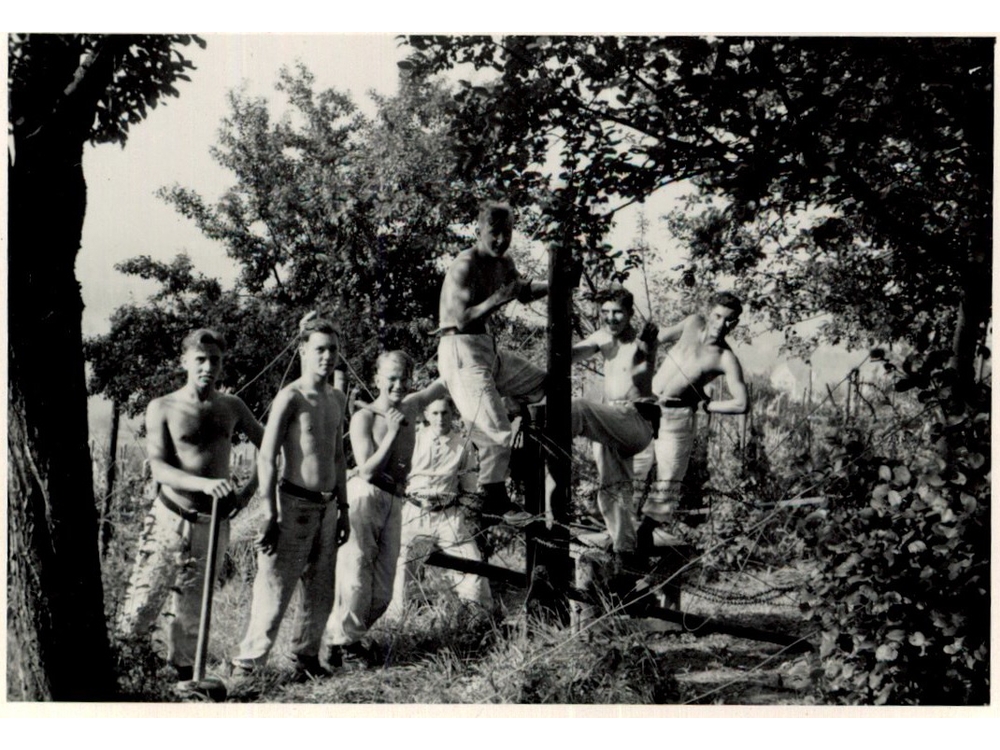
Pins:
x: 310, y: 445
x: 628, y: 370
x: 689, y: 366
x: 199, y: 435
x: 397, y: 465
x: 479, y: 275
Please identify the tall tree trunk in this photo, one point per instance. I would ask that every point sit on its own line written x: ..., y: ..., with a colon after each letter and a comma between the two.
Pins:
x: 54, y: 590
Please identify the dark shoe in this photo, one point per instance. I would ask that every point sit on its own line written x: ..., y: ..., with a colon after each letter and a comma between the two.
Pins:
x: 335, y: 657
x: 307, y: 668
x: 185, y: 673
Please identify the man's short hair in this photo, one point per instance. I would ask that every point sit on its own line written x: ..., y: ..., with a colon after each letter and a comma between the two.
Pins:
x: 399, y: 357
x: 318, y: 325
x: 619, y: 294
x: 202, y: 337
x: 493, y: 211
x: 730, y: 301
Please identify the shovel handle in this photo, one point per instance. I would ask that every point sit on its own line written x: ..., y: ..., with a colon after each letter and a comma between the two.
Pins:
x: 208, y: 588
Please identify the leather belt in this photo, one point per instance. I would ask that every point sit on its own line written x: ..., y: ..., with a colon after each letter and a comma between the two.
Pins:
x: 314, y: 496
x: 432, y: 502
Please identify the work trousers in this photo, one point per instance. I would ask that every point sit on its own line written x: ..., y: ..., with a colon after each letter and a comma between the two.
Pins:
x: 478, y: 377
x: 366, y: 564
x: 673, y: 447
x: 450, y: 531
x: 306, y: 558
x: 619, y: 432
x: 170, y: 563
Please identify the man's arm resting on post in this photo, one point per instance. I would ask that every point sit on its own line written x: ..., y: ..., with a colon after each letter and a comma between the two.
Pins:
x: 531, y: 289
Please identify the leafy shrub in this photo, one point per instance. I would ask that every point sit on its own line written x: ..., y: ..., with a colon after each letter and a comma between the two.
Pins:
x: 901, y: 593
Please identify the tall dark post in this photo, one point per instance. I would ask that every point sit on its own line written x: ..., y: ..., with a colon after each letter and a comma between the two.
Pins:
x: 549, y: 567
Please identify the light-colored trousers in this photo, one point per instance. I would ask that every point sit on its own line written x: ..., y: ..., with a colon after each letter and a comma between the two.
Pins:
x: 450, y: 531
x: 478, y: 377
x: 306, y: 557
x: 170, y: 563
x: 619, y: 432
x: 366, y: 564
x: 673, y: 447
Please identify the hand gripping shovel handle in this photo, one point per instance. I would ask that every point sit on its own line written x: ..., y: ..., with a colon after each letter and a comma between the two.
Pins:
x: 206, y: 594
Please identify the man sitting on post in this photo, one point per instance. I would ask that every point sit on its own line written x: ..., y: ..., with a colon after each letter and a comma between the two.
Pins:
x: 188, y: 441
x: 700, y: 353
x: 444, y: 467
x: 478, y: 282
x: 306, y: 510
x: 622, y: 425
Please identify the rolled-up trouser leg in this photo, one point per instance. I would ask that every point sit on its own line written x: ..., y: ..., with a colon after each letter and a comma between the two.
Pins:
x: 673, y: 452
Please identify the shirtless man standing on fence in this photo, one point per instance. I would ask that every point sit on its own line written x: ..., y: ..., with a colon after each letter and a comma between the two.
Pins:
x: 480, y: 281
x: 700, y: 353
x: 306, y: 517
x: 189, y: 439
x: 621, y: 426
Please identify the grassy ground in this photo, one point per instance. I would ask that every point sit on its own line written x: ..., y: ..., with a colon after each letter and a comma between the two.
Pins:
x: 442, y: 653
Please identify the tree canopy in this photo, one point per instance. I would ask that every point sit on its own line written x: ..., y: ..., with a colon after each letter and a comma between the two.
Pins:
x: 847, y: 176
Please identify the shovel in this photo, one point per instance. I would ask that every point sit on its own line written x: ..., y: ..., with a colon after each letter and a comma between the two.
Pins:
x: 201, y: 687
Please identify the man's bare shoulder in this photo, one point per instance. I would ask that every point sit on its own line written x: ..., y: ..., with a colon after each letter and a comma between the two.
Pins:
x: 462, y: 264
x: 232, y: 403
x: 362, y: 418
x: 161, y: 405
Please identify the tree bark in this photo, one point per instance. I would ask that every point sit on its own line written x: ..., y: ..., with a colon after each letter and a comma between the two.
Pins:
x: 55, y: 595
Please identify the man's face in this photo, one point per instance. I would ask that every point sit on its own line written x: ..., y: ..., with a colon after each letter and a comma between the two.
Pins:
x: 203, y: 365
x: 393, y: 380
x: 494, y: 235
x: 721, y: 320
x: 615, y: 317
x: 319, y: 353
x: 439, y: 417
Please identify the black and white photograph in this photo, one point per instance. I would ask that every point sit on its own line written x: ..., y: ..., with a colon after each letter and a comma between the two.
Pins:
x: 500, y: 370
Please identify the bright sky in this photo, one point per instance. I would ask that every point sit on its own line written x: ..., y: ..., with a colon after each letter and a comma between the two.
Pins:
x: 125, y: 218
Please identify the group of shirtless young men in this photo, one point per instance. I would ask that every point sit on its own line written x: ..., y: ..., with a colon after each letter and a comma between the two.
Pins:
x: 339, y: 535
